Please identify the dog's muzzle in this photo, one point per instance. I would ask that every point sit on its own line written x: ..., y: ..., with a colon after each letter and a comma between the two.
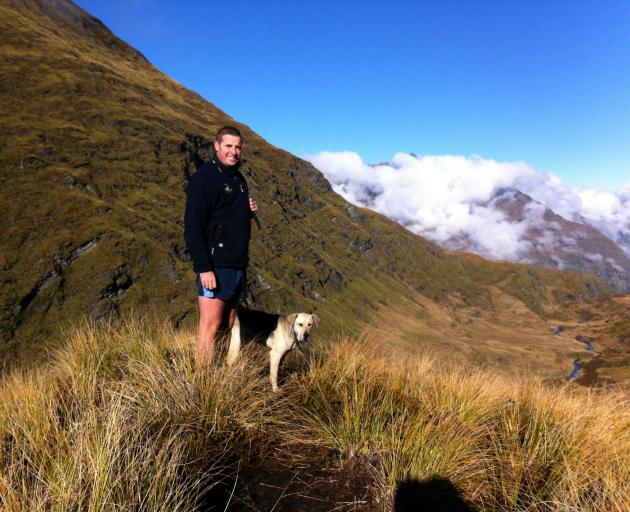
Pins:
x: 303, y: 339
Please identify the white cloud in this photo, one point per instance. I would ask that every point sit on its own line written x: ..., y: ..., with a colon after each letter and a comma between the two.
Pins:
x: 595, y: 257
x: 447, y: 199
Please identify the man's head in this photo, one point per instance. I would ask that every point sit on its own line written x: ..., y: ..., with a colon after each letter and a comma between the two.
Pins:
x: 227, y: 146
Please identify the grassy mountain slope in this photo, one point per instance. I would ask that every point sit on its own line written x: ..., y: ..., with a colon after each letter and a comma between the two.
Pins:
x: 96, y: 146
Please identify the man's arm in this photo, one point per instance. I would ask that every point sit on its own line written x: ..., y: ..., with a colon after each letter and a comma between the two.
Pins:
x: 195, y: 224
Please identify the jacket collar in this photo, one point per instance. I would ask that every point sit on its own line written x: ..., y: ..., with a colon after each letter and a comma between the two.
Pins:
x: 222, y: 168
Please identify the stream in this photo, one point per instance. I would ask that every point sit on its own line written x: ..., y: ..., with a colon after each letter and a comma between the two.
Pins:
x: 577, y: 364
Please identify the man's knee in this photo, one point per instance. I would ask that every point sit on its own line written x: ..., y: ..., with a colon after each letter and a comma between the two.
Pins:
x: 210, y: 314
x: 209, y: 324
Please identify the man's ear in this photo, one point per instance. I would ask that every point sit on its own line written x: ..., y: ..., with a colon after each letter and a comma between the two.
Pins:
x: 291, y: 319
x: 216, y: 145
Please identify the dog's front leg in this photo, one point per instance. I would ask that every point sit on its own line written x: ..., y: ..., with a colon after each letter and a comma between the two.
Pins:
x: 235, y: 342
x: 275, y: 356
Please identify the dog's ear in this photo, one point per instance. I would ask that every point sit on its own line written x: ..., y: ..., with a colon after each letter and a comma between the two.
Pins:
x: 291, y: 319
x: 315, y: 319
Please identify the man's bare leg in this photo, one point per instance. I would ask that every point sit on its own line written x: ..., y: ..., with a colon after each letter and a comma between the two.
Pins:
x: 211, y: 313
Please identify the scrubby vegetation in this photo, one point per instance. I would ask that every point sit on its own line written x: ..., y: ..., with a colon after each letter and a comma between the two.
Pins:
x: 122, y: 419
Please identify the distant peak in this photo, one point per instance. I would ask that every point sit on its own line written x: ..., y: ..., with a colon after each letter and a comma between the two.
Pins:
x: 510, y: 193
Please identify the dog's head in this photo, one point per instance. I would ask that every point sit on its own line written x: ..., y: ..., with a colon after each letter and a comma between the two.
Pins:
x: 302, y: 324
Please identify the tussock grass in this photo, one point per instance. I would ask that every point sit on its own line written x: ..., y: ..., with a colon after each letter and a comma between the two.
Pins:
x: 122, y: 418
x: 508, y: 444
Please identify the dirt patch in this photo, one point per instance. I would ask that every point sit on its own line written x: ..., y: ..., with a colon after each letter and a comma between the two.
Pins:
x: 303, y: 478
x: 595, y: 371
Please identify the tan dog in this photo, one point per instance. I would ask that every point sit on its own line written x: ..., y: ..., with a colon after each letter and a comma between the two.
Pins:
x: 282, y: 335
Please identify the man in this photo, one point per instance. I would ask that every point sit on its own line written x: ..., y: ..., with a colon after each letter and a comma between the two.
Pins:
x: 217, y: 230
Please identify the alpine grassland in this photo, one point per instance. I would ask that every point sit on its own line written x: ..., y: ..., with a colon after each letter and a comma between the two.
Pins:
x: 122, y: 418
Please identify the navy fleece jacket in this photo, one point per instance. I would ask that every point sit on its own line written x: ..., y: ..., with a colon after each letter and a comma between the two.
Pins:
x: 217, y: 220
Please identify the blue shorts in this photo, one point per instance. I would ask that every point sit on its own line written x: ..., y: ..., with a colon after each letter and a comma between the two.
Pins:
x: 231, y: 283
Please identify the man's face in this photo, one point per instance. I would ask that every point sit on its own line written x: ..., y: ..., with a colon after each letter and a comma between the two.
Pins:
x: 228, y: 150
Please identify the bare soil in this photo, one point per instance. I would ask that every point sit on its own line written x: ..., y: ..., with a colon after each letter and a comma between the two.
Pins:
x: 306, y: 478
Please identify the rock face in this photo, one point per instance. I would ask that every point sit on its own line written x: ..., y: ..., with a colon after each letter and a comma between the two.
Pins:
x: 555, y: 242
x: 96, y: 147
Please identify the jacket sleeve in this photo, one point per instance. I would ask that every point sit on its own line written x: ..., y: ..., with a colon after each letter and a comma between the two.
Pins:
x: 195, y: 226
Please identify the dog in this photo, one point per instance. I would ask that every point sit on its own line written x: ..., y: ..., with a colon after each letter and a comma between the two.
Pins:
x: 280, y: 333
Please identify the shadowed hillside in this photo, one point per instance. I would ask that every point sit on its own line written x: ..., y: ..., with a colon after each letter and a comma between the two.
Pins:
x: 96, y: 146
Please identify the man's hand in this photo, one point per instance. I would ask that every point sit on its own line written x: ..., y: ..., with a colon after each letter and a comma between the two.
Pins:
x: 208, y: 280
x: 253, y: 205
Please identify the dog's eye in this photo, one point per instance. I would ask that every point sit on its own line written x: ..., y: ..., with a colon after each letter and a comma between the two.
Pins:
x: 301, y: 325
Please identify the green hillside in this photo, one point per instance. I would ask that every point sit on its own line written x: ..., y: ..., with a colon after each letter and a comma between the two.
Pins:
x: 96, y: 146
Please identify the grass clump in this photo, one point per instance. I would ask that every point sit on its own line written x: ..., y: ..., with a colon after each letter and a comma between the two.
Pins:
x: 507, y: 444
x: 122, y: 418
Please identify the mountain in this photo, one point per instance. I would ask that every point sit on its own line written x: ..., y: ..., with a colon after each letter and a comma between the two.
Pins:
x: 552, y: 241
x: 478, y: 205
x: 96, y: 147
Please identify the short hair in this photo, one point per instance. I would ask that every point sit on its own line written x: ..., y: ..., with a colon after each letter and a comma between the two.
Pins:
x: 228, y: 130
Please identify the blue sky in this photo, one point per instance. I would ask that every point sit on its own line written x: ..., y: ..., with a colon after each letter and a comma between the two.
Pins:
x: 545, y: 82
